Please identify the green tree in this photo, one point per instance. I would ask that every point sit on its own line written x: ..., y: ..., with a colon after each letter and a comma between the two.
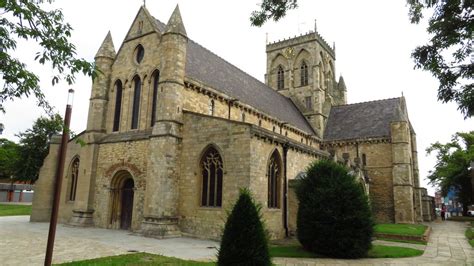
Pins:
x: 271, y: 9
x: 449, y: 53
x: 25, y: 19
x: 244, y: 241
x: 34, y: 146
x: 9, y: 156
x: 334, y: 216
x: 452, y: 167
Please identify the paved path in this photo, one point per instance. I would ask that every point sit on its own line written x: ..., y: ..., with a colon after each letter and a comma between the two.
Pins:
x: 24, y: 243
x: 447, y: 246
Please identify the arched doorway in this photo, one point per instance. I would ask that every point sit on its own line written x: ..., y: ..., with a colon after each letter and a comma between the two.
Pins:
x: 121, y: 209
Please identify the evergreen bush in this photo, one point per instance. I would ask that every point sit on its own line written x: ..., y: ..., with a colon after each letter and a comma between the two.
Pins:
x: 334, y: 216
x: 244, y: 241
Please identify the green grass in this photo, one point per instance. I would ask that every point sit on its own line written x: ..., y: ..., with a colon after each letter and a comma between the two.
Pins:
x: 461, y: 218
x: 401, y: 229
x: 377, y: 251
x: 403, y: 241
x: 137, y: 259
x: 470, y: 235
x: 10, y: 210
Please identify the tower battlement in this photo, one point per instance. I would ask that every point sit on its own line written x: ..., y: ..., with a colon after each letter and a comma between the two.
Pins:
x: 302, y: 38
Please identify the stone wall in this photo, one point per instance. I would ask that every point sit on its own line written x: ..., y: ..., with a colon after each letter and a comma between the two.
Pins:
x: 378, y: 154
x: 130, y: 156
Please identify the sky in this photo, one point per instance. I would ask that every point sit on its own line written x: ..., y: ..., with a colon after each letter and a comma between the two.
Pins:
x: 373, y: 40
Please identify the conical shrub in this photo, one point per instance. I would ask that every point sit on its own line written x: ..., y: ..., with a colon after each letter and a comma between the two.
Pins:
x: 244, y: 241
x: 334, y: 216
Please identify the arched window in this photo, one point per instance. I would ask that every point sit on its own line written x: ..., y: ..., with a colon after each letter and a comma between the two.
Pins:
x: 212, y: 174
x: 304, y: 74
x: 156, y: 79
x: 74, y: 174
x: 136, y: 101
x: 118, y: 105
x: 280, y: 78
x: 274, y: 180
x: 212, y: 107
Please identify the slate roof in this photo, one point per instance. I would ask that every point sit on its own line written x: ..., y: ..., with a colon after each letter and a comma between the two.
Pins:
x: 364, y: 120
x: 213, y: 71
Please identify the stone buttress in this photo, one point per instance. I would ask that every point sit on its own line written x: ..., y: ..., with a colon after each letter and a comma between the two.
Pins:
x: 162, y: 183
x: 83, y: 205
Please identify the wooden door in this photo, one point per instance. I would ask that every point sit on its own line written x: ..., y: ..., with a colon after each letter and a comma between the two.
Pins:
x: 126, y: 204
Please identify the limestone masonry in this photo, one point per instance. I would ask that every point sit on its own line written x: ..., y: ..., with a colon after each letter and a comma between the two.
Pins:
x: 174, y: 131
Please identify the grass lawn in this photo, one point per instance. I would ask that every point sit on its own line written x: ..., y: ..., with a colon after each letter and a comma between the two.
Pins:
x: 377, y: 251
x: 461, y: 218
x: 10, y: 210
x: 401, y: 229
x: 137, y: 259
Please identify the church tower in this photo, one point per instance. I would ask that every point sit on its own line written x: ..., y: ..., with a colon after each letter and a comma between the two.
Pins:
x: 303, y: 69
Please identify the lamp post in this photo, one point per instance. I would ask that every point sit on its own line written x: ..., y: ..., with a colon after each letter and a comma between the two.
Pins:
x: 59, y: 176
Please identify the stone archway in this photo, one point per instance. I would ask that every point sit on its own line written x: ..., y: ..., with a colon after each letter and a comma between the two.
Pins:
x: 121, y: 201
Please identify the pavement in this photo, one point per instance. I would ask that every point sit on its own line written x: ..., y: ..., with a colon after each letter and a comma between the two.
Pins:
x: 24, y: 243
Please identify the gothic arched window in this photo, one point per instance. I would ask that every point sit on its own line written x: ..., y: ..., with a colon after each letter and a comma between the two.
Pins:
x: 280, y: 78
x: 74, y: 174
x: 156, y: 78
x: 274, y: 180
x: 118, y: 105
x: 136, y: 101
x: 304, y: 74
x: 212, y: 172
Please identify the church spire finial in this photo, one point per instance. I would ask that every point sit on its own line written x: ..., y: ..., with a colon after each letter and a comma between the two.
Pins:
x: 107, y: 48
x: 175, y: 23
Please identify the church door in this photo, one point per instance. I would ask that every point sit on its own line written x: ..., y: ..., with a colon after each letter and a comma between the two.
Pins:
x: 126, y: 204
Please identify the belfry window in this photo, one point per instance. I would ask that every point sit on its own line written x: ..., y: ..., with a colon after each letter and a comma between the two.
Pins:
x: 136, y: 101
x: 74, y: 174
x: 118, y: 105
x: 212, y: 173
x: 156, y: 79
x: 274, y: 180
x: 280, y: 78
x: 304, y: 74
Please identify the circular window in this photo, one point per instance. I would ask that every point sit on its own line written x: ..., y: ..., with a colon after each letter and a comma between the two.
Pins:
x: 139, y: 53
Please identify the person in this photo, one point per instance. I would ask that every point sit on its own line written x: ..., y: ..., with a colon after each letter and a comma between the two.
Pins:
x: 443, y: 212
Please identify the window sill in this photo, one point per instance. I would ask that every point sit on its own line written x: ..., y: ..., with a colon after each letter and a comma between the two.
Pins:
x: 204, y: 208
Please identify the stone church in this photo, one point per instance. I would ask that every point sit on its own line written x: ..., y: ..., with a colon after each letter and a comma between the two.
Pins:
x: 174, y: 131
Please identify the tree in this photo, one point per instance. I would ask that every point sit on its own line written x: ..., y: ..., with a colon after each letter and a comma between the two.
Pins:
x: 449, y: 53
x: 271, y: 9
x: 452, y: 167
x: 25, y: 19
x: 34, y: 146
x: 9, y: 156
x: 334, y: 216
x: 244, y: 241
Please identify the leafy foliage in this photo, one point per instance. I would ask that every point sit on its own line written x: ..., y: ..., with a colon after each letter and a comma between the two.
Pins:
x: 34, y: 146
x: 244, y: 241
x: 449, y: 53
x: 27, y: 20
x: 334, y: 217
x: 271, y: 9
x: 9, y: 156
x: 451, y: 169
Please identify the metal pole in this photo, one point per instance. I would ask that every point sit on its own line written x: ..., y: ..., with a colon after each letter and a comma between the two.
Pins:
x: 57, y: 189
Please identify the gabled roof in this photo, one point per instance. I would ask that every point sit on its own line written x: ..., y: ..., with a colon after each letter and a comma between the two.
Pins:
x: 204, y: 66
x: 364, y: 120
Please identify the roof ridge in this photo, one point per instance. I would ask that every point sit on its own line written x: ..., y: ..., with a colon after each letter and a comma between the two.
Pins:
x: 372, y: 101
